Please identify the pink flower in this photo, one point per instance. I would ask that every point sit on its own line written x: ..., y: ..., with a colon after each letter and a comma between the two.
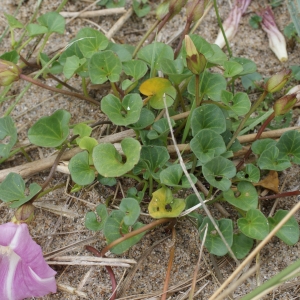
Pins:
x: 276, y: 39
x: 231, y: 24
x: 23, y: 270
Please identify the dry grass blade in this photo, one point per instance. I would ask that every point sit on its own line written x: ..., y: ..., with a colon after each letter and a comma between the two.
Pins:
x: 71, y: 290
x: 94, y: 13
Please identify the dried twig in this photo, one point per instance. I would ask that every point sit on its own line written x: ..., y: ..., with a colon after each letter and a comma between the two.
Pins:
x: 94, y: 13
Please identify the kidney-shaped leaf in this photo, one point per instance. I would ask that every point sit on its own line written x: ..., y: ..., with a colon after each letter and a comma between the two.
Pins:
x: 90, y: 41
x: 289, y: 145
x: 247, y: 198
x: 250, y: 173
x: 232, y: 68
x: 241, y: 245
x: 218, y: 172
x: 289, y: 232
x: 255, y: 225
x: 114, y: 228
x: 131, y: 208
x: 108, y: 162
x: 204, y: 117
x: 213, y: 242
x: 155, y: 88
x: 94, y: 223
x: 80, y: 170
x: 135, y: 68
x: 53, y: 21
x: 7, y: 128
x: 104, y: 66
x: 125, y: 112
x: 12, y: 189
x: 163, y: 205
x: 50, y: 131
x: 207, y: 144
x: 147, y: 118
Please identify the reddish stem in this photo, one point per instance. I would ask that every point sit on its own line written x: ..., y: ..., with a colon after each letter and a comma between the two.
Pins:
x: 286, y: 194
x: 109, y: 270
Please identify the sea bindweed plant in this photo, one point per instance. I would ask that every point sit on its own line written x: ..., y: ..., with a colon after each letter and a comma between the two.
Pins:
x: 158, y: 92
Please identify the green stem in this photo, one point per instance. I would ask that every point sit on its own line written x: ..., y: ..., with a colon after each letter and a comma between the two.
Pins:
x: 197, y: 79
x: 244, y: 120
x: 135, y: 177
x: 84, y: 87
x: 221, y: 27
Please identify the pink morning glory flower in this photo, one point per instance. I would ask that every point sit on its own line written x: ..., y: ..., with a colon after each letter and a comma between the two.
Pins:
x: 23, y: 270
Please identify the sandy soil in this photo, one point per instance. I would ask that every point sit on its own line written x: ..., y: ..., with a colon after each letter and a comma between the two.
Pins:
x: 54, y: 231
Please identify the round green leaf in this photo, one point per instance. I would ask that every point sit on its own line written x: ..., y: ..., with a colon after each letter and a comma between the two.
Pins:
x: 247, y: 198
x: 53, y: 21
x: 114, y: 228
x: 125, y: 112
x: 135, y: 68
x: 171, y: 175
x: 50, y: 131
x: 132, y: 210
x: 232, y: 68
x: 259, y: 146
x: 250, y: 173
x: 205, y: 116
x: 108, y: 162
x: 7, y: 128
x: 289, y: 145
x: 147, y: 118
x: 80, y: 169
x: 213, y: 242
x: 163, y: 205
x: 241, y: 245
x: 82, y: 130
x: 289, y: 232
x: 104, y: 66
x: 255, y: 225
x: 94, y: 223
x: 240, y: 104
x: 207, y: 144
x: 249, y: 66
x: 218, y: 172
x: 90, y: 41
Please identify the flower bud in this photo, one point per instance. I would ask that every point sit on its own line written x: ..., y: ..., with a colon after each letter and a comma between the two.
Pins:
x: 24, y: 214
x: 162, y: 10
x: 196, y: 61
x: 277, y: 81
x: 175, y: 6
x: 195, y: 10
x: 284, y: 104
x: 9, y: 72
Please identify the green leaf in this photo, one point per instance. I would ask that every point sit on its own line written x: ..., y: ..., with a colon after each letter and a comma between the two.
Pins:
x: 12, y: 56
x: 239, y: 103
x: 296, y: 72
x: 141, y: 8
x: 12, y: 189
x: 171, y: 176
x: 36, y: 29
x: 122, y: 52
x: 289, y: 145
x: 50, y: 131
x: 146, y: 119
x: 80, y: 170
x: 53, y: 21
x: 155, y: 52
x: 247, y: 198
x: 250, y: 173
x: 114, y: 228
x: 163, y: 205
x: 255, y: 21
x: 72, y: 50
x: 115, y: 3
x: 87, y: 143
x: 211, y: 85
x: 249, y: 66
x: 241, y: 245
x: 132, y: 210
x: 91, y: 221
x: 160, y: 129
x: 236, y: 146
x: 213, y: 242
x: 258, y: 147
x: 7, y: 129
x: 205, y: 116
x: 13, y: 22
x: 109, y: 181
x: 290, y: 30
x: 153, y: 158
x: 125, y: 112
x: 207, y: 144
x: 191, y: 201
x: 232, y: 68
x: 289, y: 232
x: 135, y: 68
x: 90, y: 41
x: 72, y: 64
x: 218, y: 57
x: 255, y: 225
x: 108, y: 161
x: 104, y: 66
x: 218, y: 172
x: 270, y: 160
x: 249, y: 80
x: 82, y: 130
